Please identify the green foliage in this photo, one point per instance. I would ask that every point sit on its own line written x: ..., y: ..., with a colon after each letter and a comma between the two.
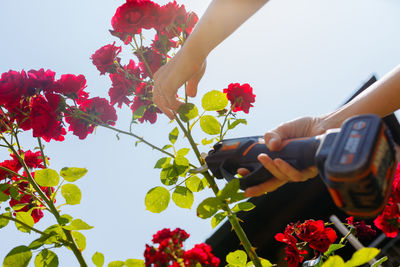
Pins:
x: 134, y: 263
x: 3, y: 221
x: 264, y: 263
x: 243, y: 206
x: 64, y: 219
x: 214, y: 100
x: 173, y: 135
x: 208, y: 207
x: 71, y: 174
x: 169, y: 175
x: 139, y: 112
x: 24, y: 217
x: 162, y: 163
x: 188, y: 111
x: 18, y: 257
x: 116, y: 264
x: 98, y: 259
x: 332, y: 248
x: 334, y: 261
x: 78, y: 224
x: 181, y: 165
x: 182, y: 152
x: 205, y: 141
x: 229, y: 190
x: 157, y: 199
x: 4, y: 197
x: 46, y: 258
x: 183, y: 197
x: 237, y: 258
x: 71, y: 193
x: 55, y: 233
x: 47, y: 177
x: 210, y: 125
x: 80, y: 240
x: 217, y: 218
x: 379, y: 262
x: 362, y: 256
x: 195, y: 184
x: 236, y: 123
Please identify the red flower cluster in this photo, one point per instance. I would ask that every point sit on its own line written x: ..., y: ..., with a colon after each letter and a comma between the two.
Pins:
x: 170, y: 252
x: 317, y: 236
x: 240, y: 96
x: 24, y: 197
x: 362, y: 230
x: 389, y: 220
x: 35, y: 101
x: 132, y: 84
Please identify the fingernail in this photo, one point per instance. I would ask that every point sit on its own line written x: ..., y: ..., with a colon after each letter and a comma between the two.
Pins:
x: 272, y: 140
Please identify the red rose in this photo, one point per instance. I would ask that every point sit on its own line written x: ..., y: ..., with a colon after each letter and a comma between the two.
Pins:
x: 13, y: 86
x: 40, y: 80
x: 101, y: 108
x: 150, y: 113
x: 201, y: 253
x: 389, y: 220
x: 315, y: 233
x: 44, y: 119
x: 362, y: 230
x: 293, y: 256
x: 150, y: 58
x: 70, y: 85
x: 120, y: 89
x: 162, y: 44
x: 104, y: 58
x: 134, y: 15
x: 11, y: 165
x: 241, y: 96
x: 79, y: 127
x: 32, y: 160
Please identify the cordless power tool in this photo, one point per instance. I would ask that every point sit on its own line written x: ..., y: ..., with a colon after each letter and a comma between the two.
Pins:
x: 356, y: 162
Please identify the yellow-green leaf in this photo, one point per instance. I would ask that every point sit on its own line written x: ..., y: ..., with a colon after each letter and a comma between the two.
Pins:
x: 183, y: 197
x: 98, y: 259
x: 26, y: 218
x: 47, y: 177
x: 46, y: 258
x: 71, y: 193
x: 188, y: 111
x: 214, y: 100
x: 210, y: 125
x: 134, y: 263
x: 18, y: 257
x: 80, y: 240
x: 237, y: 258
x: 334, y: 261
x: 157, y: 199
x: 362, y: 256
x: 71, y: 174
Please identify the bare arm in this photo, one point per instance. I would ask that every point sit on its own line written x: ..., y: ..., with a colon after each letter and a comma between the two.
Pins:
x: 219, y: 21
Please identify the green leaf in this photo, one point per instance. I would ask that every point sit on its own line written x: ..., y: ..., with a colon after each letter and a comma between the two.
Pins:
x: 116, y: 264
x: 237, y: 258
x: 243, y: 206
x: 219, y: 217
x: 182, y: 152
x: 47, y: 177
x: 334, y: 261
x: 134, y: 263
x: 26, y: 218
x: 71, y: 174
x: 46, y: 258
x: 195, y: 184
x: 188, y: 111
x: 20, y: 206
x: 14, y: 192
x: 183, y: 197
x: 78, y: 224
x: 80, y: 240
x: 64, y: 219
x: 237, y: 197
x: 157, y: 199
x: 18, y: 257
x: 98, y: 259
x: 3, y: 221
x: 181, y: 165
x: 169, y: 175
x: 362, y: 256
x: 205, y: 141
x: 162, y: 163
x: 139, y: 112
x: 214, y: 100
x: 173, y: 135
x: 56, y: 233
x: 208, y: 207
x: 264, y: 263
x: 229, y: 190
x: 236, y: 123
x: 379, y: 262
x: 3, y: 197
x: 166, y: 147
x: 71, y: 193
x: 210, y: 125
x: 332, y: 248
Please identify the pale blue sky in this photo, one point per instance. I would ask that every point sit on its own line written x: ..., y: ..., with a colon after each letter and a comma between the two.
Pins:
x: 302, y: 57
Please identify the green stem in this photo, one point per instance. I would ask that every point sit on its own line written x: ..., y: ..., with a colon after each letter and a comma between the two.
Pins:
x: 23, y: 224
x: 139, y: 49
x: 41, y: 151
x: 50, y: 204
x: 232, y: 217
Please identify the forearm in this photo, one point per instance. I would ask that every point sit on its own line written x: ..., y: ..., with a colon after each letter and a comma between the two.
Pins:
x: 381, y: 98
x: 219, y: 21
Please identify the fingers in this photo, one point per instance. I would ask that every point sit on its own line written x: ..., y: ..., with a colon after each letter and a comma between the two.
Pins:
x: 191, y: 89
x: 268, y: 186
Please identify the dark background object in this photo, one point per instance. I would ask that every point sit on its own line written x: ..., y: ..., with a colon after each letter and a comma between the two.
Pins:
x: 291, y: 203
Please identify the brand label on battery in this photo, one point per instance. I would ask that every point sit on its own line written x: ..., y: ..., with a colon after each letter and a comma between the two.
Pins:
x: 351, y: 147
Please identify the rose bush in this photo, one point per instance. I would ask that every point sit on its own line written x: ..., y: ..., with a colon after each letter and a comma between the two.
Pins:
x: 35, y: 100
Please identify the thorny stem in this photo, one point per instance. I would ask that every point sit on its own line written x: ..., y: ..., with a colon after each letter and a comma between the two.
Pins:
x: 23, y: 224
x: 50, y: 204
x: 232, y: 217
x: 41, y: 151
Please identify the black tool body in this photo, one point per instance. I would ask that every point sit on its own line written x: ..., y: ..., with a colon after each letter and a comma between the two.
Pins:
x: 231, y: 154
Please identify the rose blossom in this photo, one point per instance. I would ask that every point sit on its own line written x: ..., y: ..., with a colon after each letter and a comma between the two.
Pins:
x: 241, y: 96
x: 104, y: 58
x: 70, y: 85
